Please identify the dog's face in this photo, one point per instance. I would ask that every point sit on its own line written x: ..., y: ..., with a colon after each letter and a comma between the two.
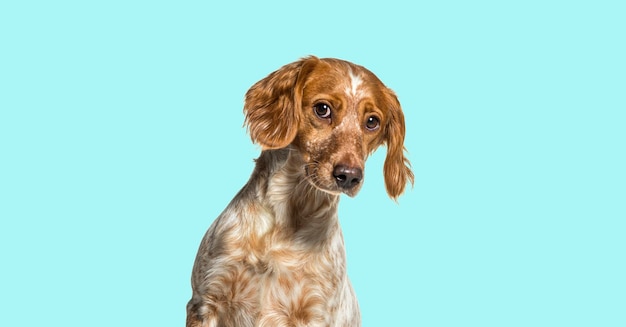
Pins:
x: 343, y: 107
x: 335, y: 113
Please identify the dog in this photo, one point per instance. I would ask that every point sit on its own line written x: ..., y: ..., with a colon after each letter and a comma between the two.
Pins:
x: 275, y: 256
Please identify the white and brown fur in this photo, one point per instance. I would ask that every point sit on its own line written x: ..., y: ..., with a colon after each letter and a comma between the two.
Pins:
x: 275, y: 256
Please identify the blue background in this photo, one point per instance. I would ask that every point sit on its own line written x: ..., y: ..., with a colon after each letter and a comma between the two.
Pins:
x: 121, y: 140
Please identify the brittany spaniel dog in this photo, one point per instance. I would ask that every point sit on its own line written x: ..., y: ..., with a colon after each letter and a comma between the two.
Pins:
x: 275, y: 256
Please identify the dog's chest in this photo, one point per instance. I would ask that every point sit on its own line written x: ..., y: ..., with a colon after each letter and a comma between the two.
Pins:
x: 293, y: 287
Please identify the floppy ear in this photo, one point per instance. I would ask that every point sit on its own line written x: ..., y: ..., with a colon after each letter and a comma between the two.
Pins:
x: 273, y: 105
x: 397, y: 168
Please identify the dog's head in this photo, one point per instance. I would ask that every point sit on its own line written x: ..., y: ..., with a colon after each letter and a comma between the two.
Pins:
x: 335, y: 113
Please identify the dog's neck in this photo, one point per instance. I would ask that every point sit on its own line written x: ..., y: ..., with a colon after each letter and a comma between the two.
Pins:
x: 296, y: 205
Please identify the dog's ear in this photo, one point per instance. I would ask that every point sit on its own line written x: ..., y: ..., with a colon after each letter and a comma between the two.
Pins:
x: 397, y: 168
x: 273, y: 105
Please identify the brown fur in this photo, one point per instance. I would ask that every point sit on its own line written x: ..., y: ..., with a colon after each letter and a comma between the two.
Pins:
x: 275, y: 256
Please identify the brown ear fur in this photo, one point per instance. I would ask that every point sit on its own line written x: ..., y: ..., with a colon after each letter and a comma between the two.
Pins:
x: 397, y: 168
x: 273, y: 105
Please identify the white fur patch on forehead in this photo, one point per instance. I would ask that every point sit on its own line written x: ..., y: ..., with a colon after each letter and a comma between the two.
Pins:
x: 354, y: 88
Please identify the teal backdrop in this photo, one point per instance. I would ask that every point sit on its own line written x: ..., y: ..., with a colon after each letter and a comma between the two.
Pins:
x: 122, y: 138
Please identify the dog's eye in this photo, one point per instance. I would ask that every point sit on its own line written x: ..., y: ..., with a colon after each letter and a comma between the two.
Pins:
x: 372, y: 123
x: 322, y: 110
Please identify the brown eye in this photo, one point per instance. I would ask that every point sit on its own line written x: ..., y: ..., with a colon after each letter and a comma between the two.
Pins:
x: 372, y: 123
x: 322, y: 110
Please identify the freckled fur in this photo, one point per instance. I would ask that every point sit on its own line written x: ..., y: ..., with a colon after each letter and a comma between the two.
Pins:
x: 275, y: 256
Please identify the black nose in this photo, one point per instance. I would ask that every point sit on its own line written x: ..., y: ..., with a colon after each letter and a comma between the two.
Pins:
x: 347, y: 177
